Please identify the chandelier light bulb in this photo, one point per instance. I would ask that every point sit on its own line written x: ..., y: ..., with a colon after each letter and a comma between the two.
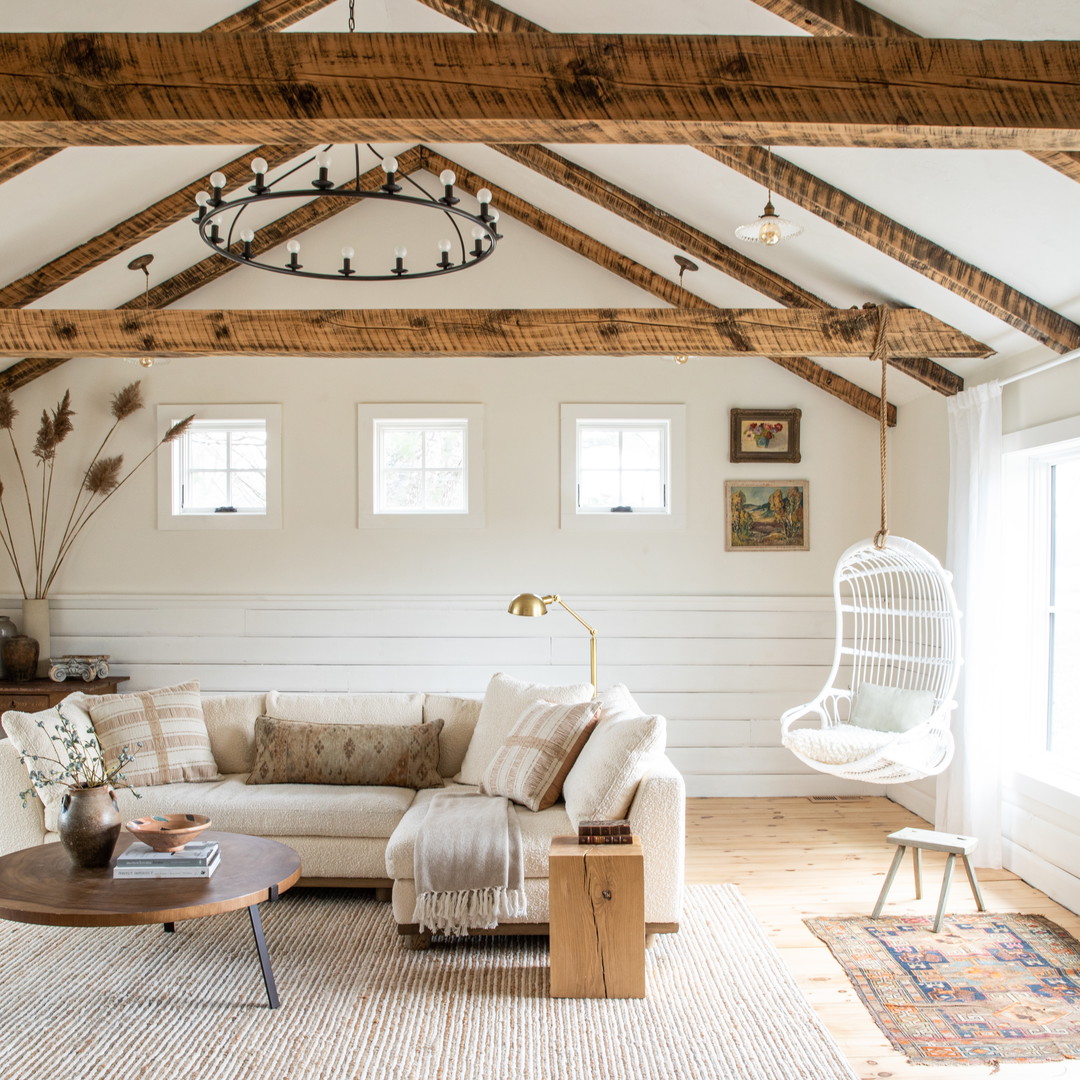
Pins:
x: 478, y: 233
x: 247, y: 235
x: 483, y: 195
x: 293, y: 247
x: 324, y: 161
x: 400, y: 252
x: 389, y: 165
x: 348, y: 253
x: 202, y: 198
x: 447, y: 178
x: 445, y: 245
x: 218, y: 179
x: 259, y: 166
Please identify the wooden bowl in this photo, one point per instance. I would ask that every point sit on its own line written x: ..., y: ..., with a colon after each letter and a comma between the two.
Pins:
x: 167, y: 832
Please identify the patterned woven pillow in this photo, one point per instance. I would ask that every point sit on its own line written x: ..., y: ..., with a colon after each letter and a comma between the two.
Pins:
x: 372, y: 755
x: 169, y: 724
x: 531, y: 765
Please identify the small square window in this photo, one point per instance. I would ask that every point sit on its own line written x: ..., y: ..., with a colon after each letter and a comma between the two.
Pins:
x: 621, y: 462
x: 421, y: 464
x: 224, y: 471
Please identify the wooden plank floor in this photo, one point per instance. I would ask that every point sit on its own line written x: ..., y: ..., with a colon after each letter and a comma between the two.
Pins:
x: 793, y: 858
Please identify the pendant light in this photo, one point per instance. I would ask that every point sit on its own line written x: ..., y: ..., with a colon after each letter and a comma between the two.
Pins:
x: 142, y: 262
x: 769, y: 228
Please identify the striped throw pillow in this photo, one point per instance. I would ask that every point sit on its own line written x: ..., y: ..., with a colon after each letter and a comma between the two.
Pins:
x: 530, y: 766
x: 169, y: 724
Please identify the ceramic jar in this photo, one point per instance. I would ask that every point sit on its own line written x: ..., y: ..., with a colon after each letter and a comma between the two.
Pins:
x: 89, y: 825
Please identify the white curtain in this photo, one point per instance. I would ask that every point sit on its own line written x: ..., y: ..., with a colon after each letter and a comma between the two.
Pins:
x: 969, y: 791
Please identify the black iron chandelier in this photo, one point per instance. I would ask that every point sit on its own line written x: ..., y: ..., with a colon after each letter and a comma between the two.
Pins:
x: 221, y: 227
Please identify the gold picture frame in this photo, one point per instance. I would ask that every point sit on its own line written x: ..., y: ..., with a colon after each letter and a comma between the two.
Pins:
x: 766, y: 515
x: 765, y: 435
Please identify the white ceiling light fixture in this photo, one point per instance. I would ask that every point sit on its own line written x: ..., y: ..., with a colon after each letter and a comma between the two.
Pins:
x: 769, y: 228
x: 684, y: 264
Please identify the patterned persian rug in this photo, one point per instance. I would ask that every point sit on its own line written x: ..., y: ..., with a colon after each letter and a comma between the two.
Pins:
x: 133, y: 1003
x: 1002, y: 988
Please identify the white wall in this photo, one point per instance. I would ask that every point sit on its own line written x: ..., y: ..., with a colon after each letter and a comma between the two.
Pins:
x: 723, y: 688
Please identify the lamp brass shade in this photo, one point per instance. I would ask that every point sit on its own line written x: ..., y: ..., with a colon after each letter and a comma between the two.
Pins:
x: 527, y: 604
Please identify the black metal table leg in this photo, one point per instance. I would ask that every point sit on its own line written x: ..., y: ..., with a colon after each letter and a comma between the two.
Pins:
x: 264, y: 956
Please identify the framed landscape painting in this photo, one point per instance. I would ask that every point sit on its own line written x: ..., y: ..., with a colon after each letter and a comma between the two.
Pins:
x: 765, y: 435
x: 767, y: 515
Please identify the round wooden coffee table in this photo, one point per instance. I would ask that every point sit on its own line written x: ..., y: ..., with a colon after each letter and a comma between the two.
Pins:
x: 42, y: 885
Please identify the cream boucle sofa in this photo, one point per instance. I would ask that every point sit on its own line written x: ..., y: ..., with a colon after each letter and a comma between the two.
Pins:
x: 363, y: 836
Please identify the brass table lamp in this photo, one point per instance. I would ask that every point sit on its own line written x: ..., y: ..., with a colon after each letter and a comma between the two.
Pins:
x: 530, y: 604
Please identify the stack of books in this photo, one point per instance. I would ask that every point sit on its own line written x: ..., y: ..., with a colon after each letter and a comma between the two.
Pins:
x: 607, y: 831
x: 196, y: 859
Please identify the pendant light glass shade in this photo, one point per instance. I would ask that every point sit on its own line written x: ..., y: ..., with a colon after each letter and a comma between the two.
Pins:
x: 769, y: 228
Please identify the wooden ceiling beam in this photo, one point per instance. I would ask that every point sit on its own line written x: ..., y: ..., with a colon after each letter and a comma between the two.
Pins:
x: 673, y: 293
x: 263, y: 15
x: 835, y: 18
x: 151, y: 89
x: 484, y: 17
x: 469, y: 332
x: 267, y: 15
x: 137, y: 229
x: 702, y: 246
x: 901, y: 243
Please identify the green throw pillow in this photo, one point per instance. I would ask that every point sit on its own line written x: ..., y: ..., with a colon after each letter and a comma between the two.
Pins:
x: 889, y: 708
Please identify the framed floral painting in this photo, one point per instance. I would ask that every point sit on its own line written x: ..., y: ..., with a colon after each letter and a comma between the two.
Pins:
x: 765, y: 435
x: 767, y: 515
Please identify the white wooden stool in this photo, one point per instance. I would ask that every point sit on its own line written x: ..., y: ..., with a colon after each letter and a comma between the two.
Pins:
x: 918, y: 839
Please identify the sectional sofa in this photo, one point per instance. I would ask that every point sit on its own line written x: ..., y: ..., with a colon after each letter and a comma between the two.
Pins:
x: 354, y: 835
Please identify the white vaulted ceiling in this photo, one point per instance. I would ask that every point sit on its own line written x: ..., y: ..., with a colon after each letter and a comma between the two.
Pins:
x: 1002, y: 211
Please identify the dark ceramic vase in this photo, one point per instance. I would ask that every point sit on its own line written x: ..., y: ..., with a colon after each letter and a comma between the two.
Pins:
x: 20, y: 657
x: 89, y: 825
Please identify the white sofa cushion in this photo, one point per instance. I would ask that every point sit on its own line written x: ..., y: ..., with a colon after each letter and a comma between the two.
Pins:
x: 608, y: 770
x: 537, y: 829
x: 505, y: 699
x: 347, y: 708
x: 230, y: 723
x: 272, y: 810
x: 459, y: 716
x: 31, y: 740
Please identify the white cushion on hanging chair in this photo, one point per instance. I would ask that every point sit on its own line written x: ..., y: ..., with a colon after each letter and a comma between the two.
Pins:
x: 837, y: 745
x: 891, y: 708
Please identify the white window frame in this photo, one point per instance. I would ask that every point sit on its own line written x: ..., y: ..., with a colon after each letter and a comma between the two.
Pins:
x: 671, y: 415
x: 369, y: 414
x: 169, y: 515
x: 1028, y: 458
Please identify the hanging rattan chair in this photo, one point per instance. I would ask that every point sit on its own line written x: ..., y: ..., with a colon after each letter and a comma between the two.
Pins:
x: 897, y: 641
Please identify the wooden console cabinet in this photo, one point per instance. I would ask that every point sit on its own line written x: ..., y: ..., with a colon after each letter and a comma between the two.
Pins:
x: 36, y: 695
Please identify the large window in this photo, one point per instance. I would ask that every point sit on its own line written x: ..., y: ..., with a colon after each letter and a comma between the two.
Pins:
x: 421, y: 464
x: 622, y: 462
x: 224, y: 471
x: 1042, y: 503
x: 1063, y: 629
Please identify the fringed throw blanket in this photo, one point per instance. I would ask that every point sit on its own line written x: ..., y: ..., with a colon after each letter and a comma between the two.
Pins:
x: 468, y: 864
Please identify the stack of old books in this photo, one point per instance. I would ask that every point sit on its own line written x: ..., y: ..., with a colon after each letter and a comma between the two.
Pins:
x: 606, y: 831
x: 196, y: 859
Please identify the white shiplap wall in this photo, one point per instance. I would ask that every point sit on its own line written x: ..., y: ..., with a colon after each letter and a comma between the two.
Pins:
x: 721, y: 669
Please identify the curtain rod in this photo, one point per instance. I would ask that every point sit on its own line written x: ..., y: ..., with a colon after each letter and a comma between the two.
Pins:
x: 1063, y: 359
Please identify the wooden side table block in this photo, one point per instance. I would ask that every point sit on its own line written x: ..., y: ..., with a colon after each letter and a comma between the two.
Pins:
x: 597, y: 919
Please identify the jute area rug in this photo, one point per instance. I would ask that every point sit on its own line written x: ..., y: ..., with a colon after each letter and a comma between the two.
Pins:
x: 1001, y: 988
x: 134, y: 1002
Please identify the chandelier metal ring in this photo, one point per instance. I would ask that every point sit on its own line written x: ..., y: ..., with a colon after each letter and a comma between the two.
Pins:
x: 215, y: 210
